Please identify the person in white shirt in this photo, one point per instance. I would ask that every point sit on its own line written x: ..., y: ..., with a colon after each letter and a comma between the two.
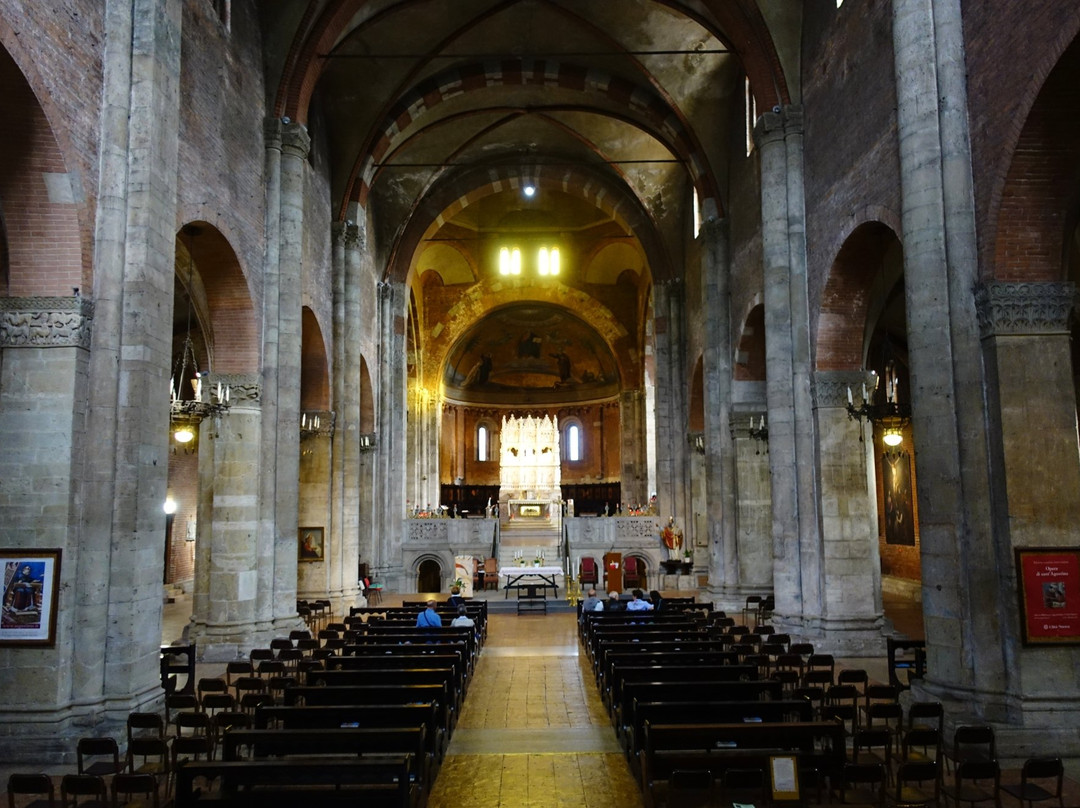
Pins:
x: 592, y: 603
x: 638, y: 604
x: 462, y: 620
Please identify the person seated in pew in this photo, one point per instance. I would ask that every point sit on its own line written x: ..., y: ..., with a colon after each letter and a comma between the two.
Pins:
x: 613, y: 603
x: 654, y: 599
x: 455, y: 598
x: 639, y: 604
x: 462, y: 620
x: 429, y: 618
x: 592, y: 603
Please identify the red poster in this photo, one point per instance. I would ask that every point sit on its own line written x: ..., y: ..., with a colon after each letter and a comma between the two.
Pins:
x: 1049, y: 594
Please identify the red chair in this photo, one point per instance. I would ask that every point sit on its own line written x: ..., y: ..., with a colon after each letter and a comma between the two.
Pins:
x: 589, y: 574
x: 631, y: 574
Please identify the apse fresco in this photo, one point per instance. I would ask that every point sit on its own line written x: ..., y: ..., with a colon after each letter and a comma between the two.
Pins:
x: 531, y: 354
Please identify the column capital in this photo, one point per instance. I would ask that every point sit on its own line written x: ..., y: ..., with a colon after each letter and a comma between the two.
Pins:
x: 245, y: 389
x: 354, y: 238
x: 831, y: 386
x: 774, y: 126
x: 272, y: 132
x: 713, y: 228
x: 45, y: 322
x: 1024, y: 309
x: 295, y: 140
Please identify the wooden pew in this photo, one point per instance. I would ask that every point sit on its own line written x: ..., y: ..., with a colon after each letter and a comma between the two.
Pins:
x: 715, y: 674
x: 371, y: 716
x: 817, y: 745
x: 385, y: 675
x: 668, y: 657
x: 336, y: 783
x: 760, y: 690
x: 708, y: 712
x: 454, y: 661
x: 320, y: 696
x: 253, y: 744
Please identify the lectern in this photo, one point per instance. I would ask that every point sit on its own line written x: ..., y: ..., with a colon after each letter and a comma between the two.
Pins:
x: 613, y: 572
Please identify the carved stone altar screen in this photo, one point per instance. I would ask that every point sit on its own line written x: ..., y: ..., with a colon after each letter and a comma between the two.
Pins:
x: 529, y: 461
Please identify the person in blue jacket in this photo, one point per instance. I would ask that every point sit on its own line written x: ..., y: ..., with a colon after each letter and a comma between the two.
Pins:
x: 429, y: 618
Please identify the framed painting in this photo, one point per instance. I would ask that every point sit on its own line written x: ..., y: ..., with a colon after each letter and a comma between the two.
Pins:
x: 310, y: 544
x: 1048, y: 585
x: 31, y: 589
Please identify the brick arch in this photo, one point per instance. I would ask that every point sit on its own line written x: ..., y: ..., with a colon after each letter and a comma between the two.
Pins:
x: 448, y: 199
x: 750, y: 346
x: 314, y: 372
x: 638, y: 103
x: 858, y: 286
x: 235, y: 345
x: 1039, y: 190
x: 46, y: 251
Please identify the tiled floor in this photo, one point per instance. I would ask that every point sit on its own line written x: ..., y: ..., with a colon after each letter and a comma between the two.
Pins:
x: 533, y: 732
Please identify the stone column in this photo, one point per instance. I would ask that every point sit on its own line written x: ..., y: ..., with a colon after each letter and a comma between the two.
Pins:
x: 117, y: 594
x: 748, y: 556
x: 349, y: 420
x: 671, y: 411
x: 796, y: 535
x: 338, y: 490
x: 956, y: 521
x: 1025, y: 328
x: 224, y: 619
x: 719, y: 445
x: 43, y: 376
x: 852, y: 617
x: 393, y: 432
x: 635, y: 478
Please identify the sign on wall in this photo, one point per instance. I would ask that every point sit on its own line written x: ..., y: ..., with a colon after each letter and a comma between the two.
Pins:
x: 1048, y: 584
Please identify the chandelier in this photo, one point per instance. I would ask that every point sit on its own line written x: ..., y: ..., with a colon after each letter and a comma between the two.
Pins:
x: 891, y: 416
x: 186, y: 413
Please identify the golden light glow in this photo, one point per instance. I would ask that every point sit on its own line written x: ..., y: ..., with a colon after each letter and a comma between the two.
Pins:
x: 184, y: 435
x: 892, y: 437
x: 509, y: 261
x: 547, y: 261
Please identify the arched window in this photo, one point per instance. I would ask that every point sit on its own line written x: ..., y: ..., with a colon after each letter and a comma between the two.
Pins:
x: 573, y: 443
x: 483, y: 443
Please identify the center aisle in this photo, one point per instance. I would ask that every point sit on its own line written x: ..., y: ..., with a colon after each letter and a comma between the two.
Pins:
x: 533, y: 732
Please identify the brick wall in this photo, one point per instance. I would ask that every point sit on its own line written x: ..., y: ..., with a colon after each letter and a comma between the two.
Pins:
x: 40, y: 217
x: 1011, y: 49
x: 852, y: 164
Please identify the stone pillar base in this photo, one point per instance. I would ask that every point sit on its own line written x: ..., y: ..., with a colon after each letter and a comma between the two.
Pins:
x: 858, y: 637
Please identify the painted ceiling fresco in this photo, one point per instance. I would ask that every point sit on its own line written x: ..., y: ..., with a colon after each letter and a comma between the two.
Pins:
x: 531, y: 354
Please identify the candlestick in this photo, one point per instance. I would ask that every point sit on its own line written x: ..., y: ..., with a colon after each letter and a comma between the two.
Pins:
x: 850, y: 399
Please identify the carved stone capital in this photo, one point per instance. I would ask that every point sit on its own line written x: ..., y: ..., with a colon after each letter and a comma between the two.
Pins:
x: 1024, y: 309
x: 295, y: 140
x: 831, y: 386
x: 45, y: 322
x: 272, y: 132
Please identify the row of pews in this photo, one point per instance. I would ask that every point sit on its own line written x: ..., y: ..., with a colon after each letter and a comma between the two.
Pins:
x: 370, y: 726
x: 693, y: 715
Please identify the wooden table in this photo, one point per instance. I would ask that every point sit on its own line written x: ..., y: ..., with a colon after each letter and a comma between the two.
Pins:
x: 514, y: 575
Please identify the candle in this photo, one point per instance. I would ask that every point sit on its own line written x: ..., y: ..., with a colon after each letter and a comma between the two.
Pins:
x: 850, y: 400
x: 865, y: 398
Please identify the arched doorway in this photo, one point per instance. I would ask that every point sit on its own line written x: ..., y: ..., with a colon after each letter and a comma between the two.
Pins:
x: 429, y: 576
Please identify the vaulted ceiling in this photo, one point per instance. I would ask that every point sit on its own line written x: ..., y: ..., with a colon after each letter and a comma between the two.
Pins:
x: 438, y: 113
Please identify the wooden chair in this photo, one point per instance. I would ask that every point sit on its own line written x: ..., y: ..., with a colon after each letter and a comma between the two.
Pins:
x: 976, y: 781
x: 39, y: 786
x: 918, y: 785
x: 84, y: 791
x: 862, y: 784
x: 750, y: 608
x: 135, y: 789
x: 491, y: 573
x: 971, y: 742
x: 1029, y: 790
x: 929, y: 714
x: 149, y: 756
x: 921, y: 745
x: 98, y: 756
x: 590, y: 573
x: 145, y: 725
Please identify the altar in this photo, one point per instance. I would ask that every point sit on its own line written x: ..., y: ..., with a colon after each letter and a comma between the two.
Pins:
x: 534, y: 577
x: 529, y: 509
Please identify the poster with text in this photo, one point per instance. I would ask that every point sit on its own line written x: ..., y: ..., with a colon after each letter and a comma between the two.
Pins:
x: 1049, y: 588
x: 28, y: 604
